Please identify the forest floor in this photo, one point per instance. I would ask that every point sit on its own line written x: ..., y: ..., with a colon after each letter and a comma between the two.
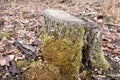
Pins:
x: 21, y: 25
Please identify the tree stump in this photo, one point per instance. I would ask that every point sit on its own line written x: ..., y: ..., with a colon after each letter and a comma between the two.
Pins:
x: 69, y: 42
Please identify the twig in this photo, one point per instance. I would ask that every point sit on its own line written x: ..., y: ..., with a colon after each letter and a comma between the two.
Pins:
x: 112, y: 24
x: 113, y: 75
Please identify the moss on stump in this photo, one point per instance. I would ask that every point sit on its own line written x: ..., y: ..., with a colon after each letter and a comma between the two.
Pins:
x: 63, y: 42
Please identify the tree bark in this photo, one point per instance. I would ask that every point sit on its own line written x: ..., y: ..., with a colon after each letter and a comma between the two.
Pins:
x: 93, y: 56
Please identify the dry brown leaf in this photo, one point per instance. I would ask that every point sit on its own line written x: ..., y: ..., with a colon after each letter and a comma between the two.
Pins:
x: 5, y: 60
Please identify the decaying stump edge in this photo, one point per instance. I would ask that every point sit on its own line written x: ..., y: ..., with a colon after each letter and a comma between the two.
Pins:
x: 93, y: 56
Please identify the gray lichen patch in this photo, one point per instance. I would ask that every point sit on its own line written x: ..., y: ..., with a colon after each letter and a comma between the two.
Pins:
x: 62, y: 16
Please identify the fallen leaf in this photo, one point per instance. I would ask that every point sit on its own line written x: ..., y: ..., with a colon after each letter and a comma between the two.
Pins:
x: 5, y: 60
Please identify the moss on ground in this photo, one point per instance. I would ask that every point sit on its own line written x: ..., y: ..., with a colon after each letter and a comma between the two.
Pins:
x: 6, y: 34
x: 39, y: 71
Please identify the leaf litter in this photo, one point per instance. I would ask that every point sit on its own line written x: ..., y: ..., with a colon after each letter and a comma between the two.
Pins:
x: 21, y: 22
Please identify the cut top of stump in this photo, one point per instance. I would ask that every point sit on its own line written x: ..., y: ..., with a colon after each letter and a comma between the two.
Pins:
x: 62, y: 16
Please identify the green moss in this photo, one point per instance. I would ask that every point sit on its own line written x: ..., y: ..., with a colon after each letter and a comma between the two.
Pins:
x: 6, y: 34
x: 65, y: 52
x: 101, y: 62
x: 39, y: 71
x: 23, y: 63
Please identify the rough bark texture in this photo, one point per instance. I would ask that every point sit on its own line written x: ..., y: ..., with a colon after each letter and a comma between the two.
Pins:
x: 69, y: 42
x: 93, y: 56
